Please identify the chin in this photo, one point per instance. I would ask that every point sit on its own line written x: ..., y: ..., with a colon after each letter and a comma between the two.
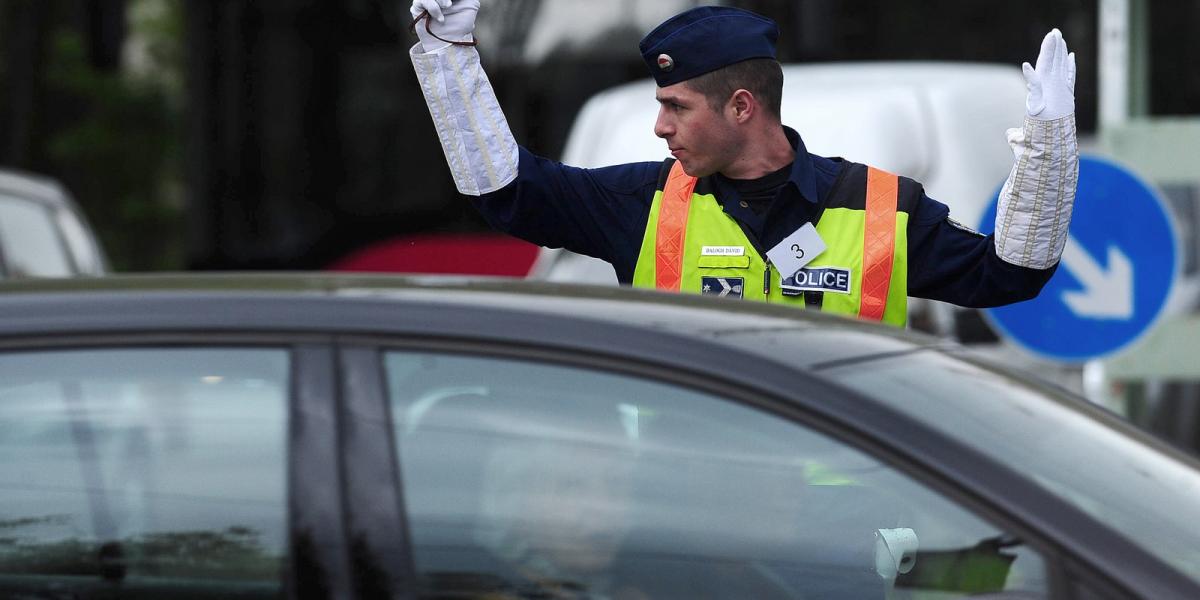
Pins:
x: 697, y: 171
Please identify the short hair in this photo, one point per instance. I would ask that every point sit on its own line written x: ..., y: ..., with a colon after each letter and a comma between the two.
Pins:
x: 762, y: 77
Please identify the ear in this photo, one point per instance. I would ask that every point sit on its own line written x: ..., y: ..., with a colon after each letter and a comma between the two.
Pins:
x: 742, y: 105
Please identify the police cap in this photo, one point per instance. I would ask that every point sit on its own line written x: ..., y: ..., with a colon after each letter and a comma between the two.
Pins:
x: 705, y: 39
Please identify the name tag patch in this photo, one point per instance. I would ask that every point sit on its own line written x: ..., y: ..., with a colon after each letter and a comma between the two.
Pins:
x: 819, y: 279
x: 723, y: 287
x: 723, y: 251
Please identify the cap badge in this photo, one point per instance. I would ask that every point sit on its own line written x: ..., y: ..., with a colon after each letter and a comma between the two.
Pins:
x: 665, y: 62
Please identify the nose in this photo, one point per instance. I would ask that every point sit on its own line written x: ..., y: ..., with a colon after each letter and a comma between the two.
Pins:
x: 662, y: 126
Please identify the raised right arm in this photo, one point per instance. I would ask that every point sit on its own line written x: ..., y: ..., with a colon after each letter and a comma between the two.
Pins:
x: 596, y: 212
x: 473, y: 132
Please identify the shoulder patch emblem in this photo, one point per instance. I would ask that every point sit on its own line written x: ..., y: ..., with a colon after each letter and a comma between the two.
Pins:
x: 723, y: 287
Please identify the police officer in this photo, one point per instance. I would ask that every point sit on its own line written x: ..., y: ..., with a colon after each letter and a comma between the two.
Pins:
x: 742, y: 208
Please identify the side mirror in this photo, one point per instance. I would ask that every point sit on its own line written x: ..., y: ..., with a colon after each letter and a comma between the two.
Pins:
x: 895, y: 552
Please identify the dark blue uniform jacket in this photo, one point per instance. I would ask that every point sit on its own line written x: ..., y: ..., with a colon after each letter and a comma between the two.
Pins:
x: 603, y: 212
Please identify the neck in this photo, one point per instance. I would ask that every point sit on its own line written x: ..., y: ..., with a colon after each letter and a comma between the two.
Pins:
x: 764, y: 153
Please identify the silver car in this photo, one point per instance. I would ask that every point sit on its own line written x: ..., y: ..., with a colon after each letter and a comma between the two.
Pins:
x: 42, y: 231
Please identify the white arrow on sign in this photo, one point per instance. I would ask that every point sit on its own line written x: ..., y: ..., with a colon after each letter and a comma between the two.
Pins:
x: 1106, y: 294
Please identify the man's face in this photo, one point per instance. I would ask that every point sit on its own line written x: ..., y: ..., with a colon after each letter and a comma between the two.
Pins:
x: 704, y: 141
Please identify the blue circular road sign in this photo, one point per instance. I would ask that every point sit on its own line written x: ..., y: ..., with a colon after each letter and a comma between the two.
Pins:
x: 1117, y: 271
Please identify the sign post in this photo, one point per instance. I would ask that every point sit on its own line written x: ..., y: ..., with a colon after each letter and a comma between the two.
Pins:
x: 1117, y: 271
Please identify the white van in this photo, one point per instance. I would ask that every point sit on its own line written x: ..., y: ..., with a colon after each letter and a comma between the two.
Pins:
x: 942, y: 124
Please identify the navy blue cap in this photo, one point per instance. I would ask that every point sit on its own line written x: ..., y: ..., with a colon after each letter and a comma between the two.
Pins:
x: 705, y: 39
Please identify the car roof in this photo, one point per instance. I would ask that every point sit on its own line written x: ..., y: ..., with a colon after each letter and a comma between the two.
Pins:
x: 384, y: 304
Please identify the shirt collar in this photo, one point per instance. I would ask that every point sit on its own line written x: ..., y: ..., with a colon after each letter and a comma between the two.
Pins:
x: 804, y: 176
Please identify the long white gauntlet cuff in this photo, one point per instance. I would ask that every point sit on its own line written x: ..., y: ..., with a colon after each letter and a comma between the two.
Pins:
x: 1036, y: 201
x: 475, y: 136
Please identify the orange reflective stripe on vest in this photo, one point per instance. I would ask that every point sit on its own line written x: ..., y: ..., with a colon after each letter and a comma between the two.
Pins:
x: 672, y: 227
x: 879, y: 242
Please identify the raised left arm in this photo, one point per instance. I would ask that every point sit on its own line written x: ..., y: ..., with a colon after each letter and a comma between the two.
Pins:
x: 1037, y: 199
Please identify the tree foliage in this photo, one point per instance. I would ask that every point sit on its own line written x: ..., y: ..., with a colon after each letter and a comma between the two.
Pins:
x: 111, y: 135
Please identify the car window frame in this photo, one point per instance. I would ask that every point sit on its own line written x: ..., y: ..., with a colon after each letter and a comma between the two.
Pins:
x: 375, y: 516
x: 1063, y: 567
x: 316, y: 569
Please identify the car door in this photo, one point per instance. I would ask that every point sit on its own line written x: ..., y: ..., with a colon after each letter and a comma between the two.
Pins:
x: 169, y: 465
x: 542, y: 474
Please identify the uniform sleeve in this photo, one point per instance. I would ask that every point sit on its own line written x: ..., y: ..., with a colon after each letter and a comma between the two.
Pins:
x: 951, y: 263
x: 1034, y: 210
x: 596, y: 212
x: 479, y: 146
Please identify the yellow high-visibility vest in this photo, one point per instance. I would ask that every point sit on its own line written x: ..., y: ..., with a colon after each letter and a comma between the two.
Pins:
x: 692, y: 245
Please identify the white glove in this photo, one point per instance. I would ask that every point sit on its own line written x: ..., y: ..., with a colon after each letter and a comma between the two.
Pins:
x: 448, y: 21
x: 1052, y: 84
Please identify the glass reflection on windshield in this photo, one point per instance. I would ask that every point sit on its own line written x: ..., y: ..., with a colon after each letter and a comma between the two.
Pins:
x: 1146, y: 495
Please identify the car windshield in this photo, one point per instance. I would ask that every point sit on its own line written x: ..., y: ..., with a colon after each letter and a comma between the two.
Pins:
x: 1146, y: 495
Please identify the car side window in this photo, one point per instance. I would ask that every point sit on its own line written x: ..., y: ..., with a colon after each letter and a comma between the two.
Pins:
x: 526, y: 480
x: 148, y: 472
